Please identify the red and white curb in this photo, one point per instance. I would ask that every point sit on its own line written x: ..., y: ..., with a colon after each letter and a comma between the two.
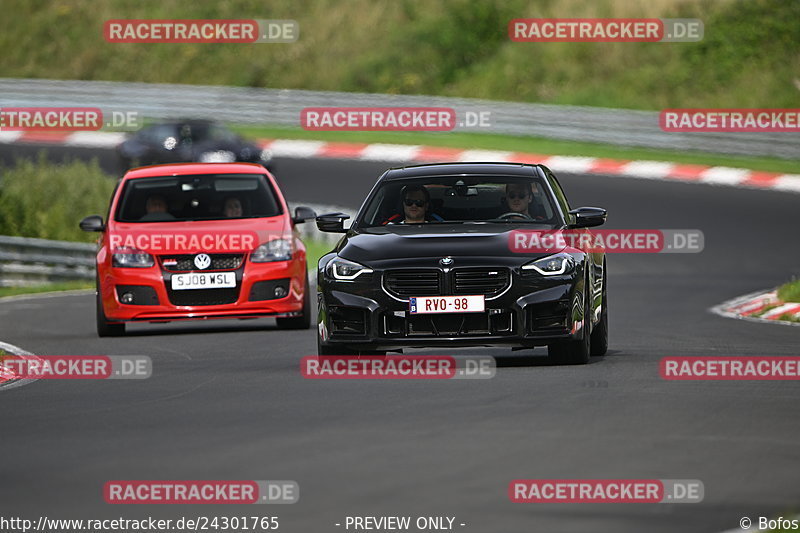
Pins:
x: 400, y: 153
x: 747, y: 306
x: 8, y: 379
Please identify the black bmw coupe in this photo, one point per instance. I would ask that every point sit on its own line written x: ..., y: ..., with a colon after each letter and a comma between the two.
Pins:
x: 432, y: 260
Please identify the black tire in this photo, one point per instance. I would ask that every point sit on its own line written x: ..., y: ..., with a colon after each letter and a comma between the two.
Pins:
x: 599, y: 342
x: 575, y: 352
x: 104, y: 327
x: 298, y: 322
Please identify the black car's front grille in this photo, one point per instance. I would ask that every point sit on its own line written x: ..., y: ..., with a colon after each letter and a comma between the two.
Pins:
x: 203, y: 296
x: 451, y: 325
x: 486, y: 281
x: 185, y: 262
x: 414, y: 282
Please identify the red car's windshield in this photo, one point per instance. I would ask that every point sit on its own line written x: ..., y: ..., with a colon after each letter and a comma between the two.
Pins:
x: 197, y: 197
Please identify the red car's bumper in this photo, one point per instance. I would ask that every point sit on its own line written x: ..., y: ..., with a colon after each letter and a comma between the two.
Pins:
x: 253, y: 296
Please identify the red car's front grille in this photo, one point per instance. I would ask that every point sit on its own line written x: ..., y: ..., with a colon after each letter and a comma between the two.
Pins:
x: 185, y: 262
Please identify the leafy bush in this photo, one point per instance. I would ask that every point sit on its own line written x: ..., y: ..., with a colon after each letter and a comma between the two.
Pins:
x: 46, y: 200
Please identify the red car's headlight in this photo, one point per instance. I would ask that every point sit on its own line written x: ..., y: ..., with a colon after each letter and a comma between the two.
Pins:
x: 126, y: 257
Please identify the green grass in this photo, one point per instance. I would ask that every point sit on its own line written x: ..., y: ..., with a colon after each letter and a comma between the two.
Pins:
x: 748, y: 57
x: 790, y: 292
x: 315, y: 250
x: 787, y: 293
x: 50, y: 287
x: 536, y: 145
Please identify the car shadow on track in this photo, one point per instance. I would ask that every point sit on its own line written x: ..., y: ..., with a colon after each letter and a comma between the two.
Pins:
x: 201, y: 329
x: 541, y: 359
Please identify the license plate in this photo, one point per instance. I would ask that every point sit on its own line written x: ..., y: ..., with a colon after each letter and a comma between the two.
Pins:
x: 205, y: 280
x: 446, y: 304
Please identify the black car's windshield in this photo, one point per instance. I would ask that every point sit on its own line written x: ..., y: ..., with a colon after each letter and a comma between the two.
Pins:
x: 202, y: 197
x: 460, y: 199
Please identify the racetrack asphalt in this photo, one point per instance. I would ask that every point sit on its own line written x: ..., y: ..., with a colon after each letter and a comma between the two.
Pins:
x: 227, y: 401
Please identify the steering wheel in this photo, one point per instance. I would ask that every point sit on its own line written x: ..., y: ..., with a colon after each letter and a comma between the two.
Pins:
x: 512, y: 214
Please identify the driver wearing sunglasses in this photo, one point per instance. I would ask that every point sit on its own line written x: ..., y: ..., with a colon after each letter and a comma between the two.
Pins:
x: 416, y: 205
x: 519, y: 197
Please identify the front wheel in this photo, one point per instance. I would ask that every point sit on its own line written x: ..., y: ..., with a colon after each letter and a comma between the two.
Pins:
x: 104, y: 327
x: 575, y: 352
x: 600, y: 333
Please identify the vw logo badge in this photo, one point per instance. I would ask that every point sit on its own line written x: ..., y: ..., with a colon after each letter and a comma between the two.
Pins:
x: 445, y: 261
x: 202, y: 261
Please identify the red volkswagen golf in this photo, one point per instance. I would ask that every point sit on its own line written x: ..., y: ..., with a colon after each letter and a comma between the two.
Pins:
x: 198, y: 241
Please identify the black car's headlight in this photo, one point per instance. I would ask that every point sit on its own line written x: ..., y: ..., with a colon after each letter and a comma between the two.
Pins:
x: 552, y: 265
x: 274, y: 250
x: 126, y: 257
x: 344, y: 270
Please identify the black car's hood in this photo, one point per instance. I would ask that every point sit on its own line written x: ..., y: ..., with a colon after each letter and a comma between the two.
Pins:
x: 373, y: 246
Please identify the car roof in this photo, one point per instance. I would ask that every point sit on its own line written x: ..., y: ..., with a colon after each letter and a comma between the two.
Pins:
x: 183, y: 169
x: 462, y: 169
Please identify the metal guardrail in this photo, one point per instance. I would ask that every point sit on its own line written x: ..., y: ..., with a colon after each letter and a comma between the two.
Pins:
x: 283, y: 107
x: 27, y: 262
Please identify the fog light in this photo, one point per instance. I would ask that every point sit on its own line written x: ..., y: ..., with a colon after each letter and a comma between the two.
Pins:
x: 280, y: 292
x: 126, y: 298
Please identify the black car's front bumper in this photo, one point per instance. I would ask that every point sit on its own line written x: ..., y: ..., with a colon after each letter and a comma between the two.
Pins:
x: 533, y: 311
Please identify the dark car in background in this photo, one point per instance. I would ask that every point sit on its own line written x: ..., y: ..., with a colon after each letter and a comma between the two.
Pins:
x: 427, y: 262
x: 189, y: 141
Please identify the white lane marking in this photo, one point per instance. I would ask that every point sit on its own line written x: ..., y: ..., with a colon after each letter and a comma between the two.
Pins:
x: 484, y: 155
x: 724, y: 175
x: 295, y: 148
x: 7, y: 137
x: 781, y: 309
x: 648, y: 169
x: 95, y: 139
x: 16, y: 350
x: 389, y: 152
x: 566, y: 163
x: 787, y: 182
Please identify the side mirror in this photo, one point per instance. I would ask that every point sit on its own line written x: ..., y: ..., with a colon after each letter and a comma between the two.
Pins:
x: 587, y: 217
x: 301, y: 214
x: 332, y: 222
x: 92, y: 223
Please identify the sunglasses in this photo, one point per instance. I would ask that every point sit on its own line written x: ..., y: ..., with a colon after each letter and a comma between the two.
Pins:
x: 419, y: 203
x: 515, y: 196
